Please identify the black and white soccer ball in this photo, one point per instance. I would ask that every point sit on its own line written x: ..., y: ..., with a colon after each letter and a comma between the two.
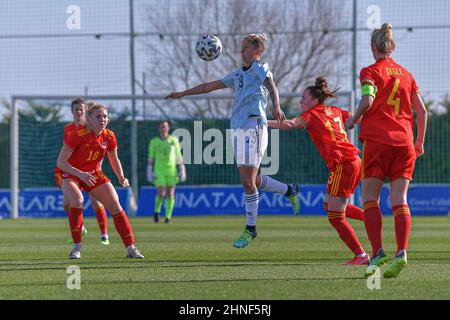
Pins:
x: 208, y: 47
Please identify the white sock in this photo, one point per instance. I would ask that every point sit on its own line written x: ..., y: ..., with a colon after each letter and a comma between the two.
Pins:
x: 271, y: 185
x: 362, y: 255
x: 251, y: 208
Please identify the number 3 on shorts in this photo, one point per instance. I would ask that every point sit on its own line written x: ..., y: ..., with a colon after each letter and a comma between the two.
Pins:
x: 331, y: 177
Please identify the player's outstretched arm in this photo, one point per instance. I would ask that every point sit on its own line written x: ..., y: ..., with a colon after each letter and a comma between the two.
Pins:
x: 422, y: 116
x: 294, y: 123
x: 117, y: 167
x: 277, y: 113
x: 351, y: 115
x: 200, y: 89
x: 364, y: 105
x: 64, y: 165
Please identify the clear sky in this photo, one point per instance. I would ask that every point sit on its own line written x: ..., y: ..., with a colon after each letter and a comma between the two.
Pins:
x: 67, y: 65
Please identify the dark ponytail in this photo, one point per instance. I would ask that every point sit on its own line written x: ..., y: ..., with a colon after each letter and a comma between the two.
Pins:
x: 320, y: 90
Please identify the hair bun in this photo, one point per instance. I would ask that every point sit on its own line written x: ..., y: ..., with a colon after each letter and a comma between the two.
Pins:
x: 259, y: 36
x: 262, y: 36
x: 89, y: 105
x: 386, y: 26
x: 321, y: 82
x: 321, y: 91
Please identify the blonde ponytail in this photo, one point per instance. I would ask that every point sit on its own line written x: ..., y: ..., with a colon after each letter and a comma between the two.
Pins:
x: 383, y: 39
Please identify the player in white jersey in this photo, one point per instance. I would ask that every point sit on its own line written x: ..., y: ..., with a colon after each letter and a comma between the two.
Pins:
x: 252, y: 84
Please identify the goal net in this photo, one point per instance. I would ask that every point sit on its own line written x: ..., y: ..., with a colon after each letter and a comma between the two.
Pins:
x: 200, y: 122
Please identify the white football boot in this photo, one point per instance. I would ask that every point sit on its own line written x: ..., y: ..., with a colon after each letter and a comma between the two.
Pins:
x: 133, y: 253
x: 76, y: 251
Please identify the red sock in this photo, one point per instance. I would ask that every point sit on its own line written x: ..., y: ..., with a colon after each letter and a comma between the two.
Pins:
x: 123, y: 228
x: 354, y: 212
x: 402, y: 218
x: 373, y: 224
x: 345, y: 231
x: 101, y: 219
x: 76, y: 223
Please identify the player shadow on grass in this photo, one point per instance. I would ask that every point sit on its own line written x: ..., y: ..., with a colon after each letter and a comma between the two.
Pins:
x: 92, y: 265
x: 183, y: 263
x: 229, y: 262
x: 103, y: 282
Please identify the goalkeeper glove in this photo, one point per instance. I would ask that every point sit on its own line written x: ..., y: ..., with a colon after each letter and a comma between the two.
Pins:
x: 182, y: 173
x: 149, y: 173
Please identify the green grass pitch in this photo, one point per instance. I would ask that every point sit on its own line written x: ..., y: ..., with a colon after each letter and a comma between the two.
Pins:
x: 193, y: 258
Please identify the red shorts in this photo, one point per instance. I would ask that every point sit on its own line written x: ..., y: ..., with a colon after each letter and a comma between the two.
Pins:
x: 100, y: 178
x: 344, y: 178
x: 381, y: 161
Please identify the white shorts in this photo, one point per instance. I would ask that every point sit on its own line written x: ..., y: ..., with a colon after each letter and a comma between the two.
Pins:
x: 250, y: 142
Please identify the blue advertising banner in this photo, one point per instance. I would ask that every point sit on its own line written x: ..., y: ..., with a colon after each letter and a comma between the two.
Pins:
x: 423, y: 199
x: 215, y: 200
x: 219, y: 200
x: 48, y: 203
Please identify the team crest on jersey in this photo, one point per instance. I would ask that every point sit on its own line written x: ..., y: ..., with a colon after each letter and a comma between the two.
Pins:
x: 104, y: 144
x: 328, y: 112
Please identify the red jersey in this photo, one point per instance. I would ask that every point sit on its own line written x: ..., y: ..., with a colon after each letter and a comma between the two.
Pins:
x: 88, y: 149
x: 69, y: 128
x: 325, y: 126
x: 390, y: 118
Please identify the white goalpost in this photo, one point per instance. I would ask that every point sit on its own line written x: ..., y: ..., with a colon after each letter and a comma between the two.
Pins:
x: 14, y: 147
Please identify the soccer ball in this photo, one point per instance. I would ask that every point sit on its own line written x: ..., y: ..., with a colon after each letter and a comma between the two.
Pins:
x: 208, y: 47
